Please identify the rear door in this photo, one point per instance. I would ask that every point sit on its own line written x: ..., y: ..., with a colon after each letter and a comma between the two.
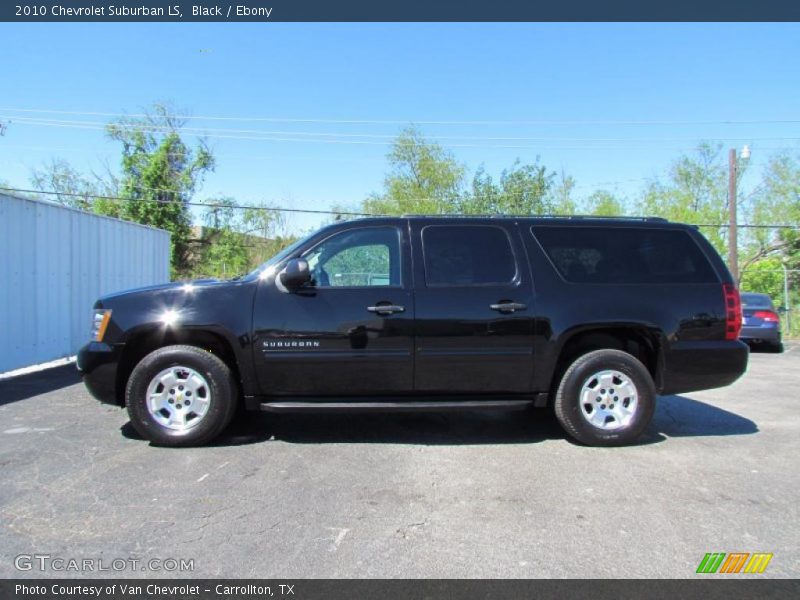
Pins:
x: 473, y: 301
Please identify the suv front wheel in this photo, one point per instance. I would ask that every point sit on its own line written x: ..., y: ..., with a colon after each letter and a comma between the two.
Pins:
x: 605, y: 398
x: 180, y: 396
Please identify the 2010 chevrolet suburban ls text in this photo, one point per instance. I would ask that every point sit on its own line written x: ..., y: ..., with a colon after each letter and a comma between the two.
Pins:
x: 595, y: 316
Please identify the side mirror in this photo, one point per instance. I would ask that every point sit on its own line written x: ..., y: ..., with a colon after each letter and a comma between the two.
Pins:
x: 295, y: 274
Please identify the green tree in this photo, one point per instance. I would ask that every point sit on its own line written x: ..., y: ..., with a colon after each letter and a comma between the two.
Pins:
x: 766, y: 277
x: 604, y: 204
x: 423, y: 178
x: 225, y: 245
x: 777, y: 202
x: 236, y: 239
x: 695, y: 191
x: 71, y: 187
x: 160, y: 174
x: 769, y: 250
x: 522, y: 190
x: 267, y: 230
x: 560, y: 194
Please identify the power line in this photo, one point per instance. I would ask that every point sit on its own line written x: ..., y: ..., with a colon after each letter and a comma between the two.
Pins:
x: 418, y: 121
x: 191, y: 203
x: 748, y: 226
x: 598, y: 186
x: 267, y: 138
x: 216, y: 155
x: 211, y: 131
x: 376, y: 139
x: 318, y: 211
x: 511, y: 193
x: 754, y: 268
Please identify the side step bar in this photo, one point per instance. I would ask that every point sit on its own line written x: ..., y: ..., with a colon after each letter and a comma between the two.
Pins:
x: 394, y: 406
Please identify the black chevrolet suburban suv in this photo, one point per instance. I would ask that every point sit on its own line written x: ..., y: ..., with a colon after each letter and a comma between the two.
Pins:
x: 592, y: 316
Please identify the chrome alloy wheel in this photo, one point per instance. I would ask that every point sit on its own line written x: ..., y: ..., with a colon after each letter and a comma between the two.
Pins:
x: 178, y: 398
x: 608, y: 400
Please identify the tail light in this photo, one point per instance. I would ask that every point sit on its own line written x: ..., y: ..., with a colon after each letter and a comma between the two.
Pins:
x: 733, y: 311
x: 767, y: 315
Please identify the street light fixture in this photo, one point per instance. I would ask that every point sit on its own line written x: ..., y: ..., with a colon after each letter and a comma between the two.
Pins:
x: 745, y: 152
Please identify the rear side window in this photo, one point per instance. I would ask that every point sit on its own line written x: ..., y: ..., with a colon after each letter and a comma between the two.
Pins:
x: 624, y: 255
x: 756, y: 301
x: 459, y: 255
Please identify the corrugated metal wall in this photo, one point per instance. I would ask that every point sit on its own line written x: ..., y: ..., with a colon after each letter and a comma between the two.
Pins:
x: 54, y: 263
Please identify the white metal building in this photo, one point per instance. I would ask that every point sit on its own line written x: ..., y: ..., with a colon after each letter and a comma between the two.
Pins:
x: 54, y: 263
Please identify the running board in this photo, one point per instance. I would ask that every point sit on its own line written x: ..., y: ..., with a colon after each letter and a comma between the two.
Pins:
x: 394, y: 406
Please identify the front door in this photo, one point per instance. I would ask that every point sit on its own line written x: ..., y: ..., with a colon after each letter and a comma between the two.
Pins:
x: 350, y: 332
x: 474, y: 308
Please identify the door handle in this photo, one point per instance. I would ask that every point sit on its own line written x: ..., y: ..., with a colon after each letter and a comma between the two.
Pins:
x: 508, y: 307
x: 386, y: 309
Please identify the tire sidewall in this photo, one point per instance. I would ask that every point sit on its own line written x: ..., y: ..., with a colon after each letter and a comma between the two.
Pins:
x: 211, y: 368
x: 569, y: 394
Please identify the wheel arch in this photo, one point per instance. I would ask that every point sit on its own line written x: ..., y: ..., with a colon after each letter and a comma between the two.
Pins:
x: 639, y: 340
x: 147, y: 339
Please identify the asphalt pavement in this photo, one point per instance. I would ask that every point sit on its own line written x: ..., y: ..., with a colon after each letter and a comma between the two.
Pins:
x: 479, y: 494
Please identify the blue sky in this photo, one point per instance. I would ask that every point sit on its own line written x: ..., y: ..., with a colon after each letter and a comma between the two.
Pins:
x: 541, y: 77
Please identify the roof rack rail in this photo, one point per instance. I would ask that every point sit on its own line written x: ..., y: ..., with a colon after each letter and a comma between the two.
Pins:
x: 502, y: 216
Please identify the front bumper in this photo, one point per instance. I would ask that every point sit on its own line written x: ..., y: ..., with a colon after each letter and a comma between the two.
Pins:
x: 703, y: 365
x: 98, y: 363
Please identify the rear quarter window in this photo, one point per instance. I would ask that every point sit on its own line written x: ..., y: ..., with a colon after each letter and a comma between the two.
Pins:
x: 624, y: 255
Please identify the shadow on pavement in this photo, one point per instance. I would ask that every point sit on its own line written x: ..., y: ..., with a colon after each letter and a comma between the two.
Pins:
x: 41, y: 382
x: 679, y: 416
x: 461, y: 428
x: 676, y: 416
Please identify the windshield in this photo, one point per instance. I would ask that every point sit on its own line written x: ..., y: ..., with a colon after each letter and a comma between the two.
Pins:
x: 278, y: 257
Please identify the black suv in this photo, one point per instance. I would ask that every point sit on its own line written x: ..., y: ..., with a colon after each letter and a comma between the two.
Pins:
x: 594, y: 316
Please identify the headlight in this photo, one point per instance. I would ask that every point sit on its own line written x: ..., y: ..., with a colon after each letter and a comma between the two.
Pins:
x: 99, y: 323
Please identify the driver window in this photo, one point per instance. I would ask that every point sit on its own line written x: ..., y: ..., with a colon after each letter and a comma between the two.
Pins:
x: 368, y: 257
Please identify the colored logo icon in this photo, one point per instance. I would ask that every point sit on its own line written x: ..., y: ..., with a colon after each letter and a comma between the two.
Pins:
x: 734, y: 562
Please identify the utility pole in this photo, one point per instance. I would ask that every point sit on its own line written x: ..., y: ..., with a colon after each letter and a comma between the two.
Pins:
x: 733, y: 232
x: 733, y: 251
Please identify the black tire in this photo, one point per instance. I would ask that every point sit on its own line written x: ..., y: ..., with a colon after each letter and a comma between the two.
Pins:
x: 776, y: 348
x: 567, y: 401
x: 221, y: 408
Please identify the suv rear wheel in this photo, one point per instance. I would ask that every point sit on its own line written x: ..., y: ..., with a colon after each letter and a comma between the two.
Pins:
x: 605, y: 398
x: 180, y: 396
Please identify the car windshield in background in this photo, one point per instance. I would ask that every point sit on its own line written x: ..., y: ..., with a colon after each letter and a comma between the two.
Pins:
x: 756, y: 301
